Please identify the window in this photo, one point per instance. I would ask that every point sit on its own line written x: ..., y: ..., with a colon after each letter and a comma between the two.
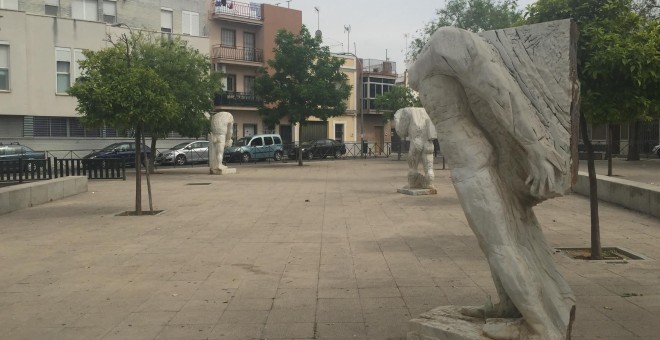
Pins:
x: 228, y: 37
x: 9, y: 4
x: 190, y: 23
x: 52, y: 7
x: 63, y: 60
x: 231, y: 83
x: 84, y: 9
x: 257, y: 142
x: 248, y: 46
x: 268, y: 140
x: 278, y: 140
x: 4, y: 66
x: 110, y: 11
x: 166, y: 20
x: 249, y: 85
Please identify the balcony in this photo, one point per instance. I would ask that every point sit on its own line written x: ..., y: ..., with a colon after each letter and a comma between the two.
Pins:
x: 237, y: 99
x: 379, y: 67
x: 243, y: 54
x: 238, y: 12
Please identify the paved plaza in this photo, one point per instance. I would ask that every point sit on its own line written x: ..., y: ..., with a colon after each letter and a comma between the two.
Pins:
x: 329, y: 250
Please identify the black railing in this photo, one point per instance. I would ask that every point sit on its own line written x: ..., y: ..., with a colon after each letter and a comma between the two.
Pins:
x: 238, y: 9
x: 98, y: 168
x: 21, y: 170
x: 238, y: 53
x: 237, y: 99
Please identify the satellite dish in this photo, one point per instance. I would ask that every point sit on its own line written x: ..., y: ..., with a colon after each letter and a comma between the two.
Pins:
x: 318, y: 34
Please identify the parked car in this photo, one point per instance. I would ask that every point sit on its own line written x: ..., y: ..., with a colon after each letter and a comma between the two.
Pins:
x: 15, y: 151
x: 320, y: 148
x: 255, y: 147
x: 186, y: 152
x: 123, y: 150
x: 656, y: 150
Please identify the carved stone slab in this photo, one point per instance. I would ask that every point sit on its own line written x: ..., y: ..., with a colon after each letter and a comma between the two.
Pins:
x: 223, y: 171
x: 445, y: 323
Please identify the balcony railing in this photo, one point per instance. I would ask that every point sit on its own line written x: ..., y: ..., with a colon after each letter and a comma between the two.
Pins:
x: 239, y: 9
x: 238, y: 53
x: 237, y: 99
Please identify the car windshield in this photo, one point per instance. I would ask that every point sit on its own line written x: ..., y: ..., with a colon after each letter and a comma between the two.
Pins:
x: 111, y: 147
x: 243, y: 141
x: 179, y: 146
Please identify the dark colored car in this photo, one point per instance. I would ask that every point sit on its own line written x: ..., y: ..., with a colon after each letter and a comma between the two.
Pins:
x: 123, y: 150
x: 15, y: 151
x: 656, y: 150
x: 320, y: 148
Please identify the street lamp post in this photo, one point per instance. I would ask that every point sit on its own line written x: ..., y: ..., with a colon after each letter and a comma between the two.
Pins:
x: 357, y: 60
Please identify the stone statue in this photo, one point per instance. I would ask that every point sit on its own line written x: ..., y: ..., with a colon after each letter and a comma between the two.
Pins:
x: 222, y: 128
x: 414, y: 122
x: 505, y: 106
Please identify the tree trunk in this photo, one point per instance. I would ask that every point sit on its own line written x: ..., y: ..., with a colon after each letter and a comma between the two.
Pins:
x: 633, y: 141
x: 149, y: 167
x: 608, y: 154
x: 138, y: 170
x: 152, y: 158
x: 596, y: 251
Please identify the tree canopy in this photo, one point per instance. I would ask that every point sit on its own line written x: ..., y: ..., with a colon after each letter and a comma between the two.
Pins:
x: 471, y: 15
x: 397, y: 98
x: 302, y: 80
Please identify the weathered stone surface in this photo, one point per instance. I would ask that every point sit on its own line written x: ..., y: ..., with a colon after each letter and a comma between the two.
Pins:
x: 417, y: 192
x: 414, y: 123
x: 220, y: 137
x: 504, y: 104
x: 223, y: 171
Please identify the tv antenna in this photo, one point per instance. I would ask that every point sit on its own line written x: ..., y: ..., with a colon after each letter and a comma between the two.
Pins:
x: 347, y: 29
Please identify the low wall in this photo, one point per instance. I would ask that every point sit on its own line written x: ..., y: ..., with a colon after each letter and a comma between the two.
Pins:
x: 21, y: 196
x: 644, y: 198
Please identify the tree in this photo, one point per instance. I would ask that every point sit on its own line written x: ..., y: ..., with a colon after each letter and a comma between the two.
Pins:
x: 471, y: 15
x: 397, y: 98
x: 618, y: 65
x: 190, y: 81
x: 138, y: 84
x: 302, y: 80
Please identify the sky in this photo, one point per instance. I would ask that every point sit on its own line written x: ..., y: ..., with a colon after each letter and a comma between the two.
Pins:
x: 377, y: 28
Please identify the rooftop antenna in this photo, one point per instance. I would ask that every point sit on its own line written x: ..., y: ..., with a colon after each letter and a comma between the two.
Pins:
x: 347, y: 29
x: 318, y: 33
x: 288, y: 3
x: 406, y: 35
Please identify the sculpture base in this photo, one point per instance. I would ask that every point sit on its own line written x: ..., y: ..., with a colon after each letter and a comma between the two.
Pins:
x: 223, y: 171
x: 448, y: 323
x: 417, y: 192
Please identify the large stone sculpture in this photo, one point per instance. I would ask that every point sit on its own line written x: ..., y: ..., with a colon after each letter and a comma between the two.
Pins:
x: 505, y: 104
x: 222, y: 128
x: 414, y: 122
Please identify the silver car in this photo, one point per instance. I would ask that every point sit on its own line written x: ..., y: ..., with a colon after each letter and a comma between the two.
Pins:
x: 187, y: 152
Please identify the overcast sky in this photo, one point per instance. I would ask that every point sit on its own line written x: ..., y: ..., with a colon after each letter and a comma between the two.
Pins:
x: 378, y: 28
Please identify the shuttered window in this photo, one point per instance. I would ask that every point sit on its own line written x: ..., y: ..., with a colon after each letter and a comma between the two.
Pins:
x: 85, y: 10
x: 4, y: 67
x: 190, y: 23
x: 166, y: 20
x: 63, y: 64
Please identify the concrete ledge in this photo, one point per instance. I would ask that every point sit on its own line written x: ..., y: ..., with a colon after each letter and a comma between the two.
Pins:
x: 26, y: 195
x: 644, y: 198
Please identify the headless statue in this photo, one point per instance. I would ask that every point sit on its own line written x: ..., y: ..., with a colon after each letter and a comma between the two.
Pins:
x: 222, y: 127
x: 414, y: 122
x: 507, y: 141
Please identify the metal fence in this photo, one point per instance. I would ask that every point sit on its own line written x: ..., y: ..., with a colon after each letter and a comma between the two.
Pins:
x: 29, y: 170
x: 21, y: 170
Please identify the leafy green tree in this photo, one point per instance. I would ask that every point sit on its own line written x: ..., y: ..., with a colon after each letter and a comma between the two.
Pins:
x: 471, y: 15
x: 302, y: 80
x: 618, y: 63
x: 397, y: 98
x: 140, y: 84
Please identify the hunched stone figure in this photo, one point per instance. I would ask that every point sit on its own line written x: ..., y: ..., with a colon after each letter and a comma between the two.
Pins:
x: 504, y: 123
x: 415, y: 123
x: 222, y: 128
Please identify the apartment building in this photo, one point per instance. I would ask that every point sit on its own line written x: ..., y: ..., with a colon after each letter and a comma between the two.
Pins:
x: 41, y: 42
x: 242, y: 38
x: 378, y: 78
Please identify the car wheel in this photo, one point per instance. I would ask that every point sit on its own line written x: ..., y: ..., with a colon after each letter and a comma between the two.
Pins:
x: 180, y: 160
x: 310, y: 155
x: 277, y: 156
x: 246, y: 157
x: 337, y: 154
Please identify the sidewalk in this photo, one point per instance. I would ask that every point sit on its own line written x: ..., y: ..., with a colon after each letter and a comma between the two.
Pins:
x: 324, y: 251
x: 646, y: 170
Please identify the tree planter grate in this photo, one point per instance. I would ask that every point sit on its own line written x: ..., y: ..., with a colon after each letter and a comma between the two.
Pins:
x: 610, y: 254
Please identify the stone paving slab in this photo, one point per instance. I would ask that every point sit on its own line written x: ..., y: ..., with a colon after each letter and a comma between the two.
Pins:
x: 329, y: 250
